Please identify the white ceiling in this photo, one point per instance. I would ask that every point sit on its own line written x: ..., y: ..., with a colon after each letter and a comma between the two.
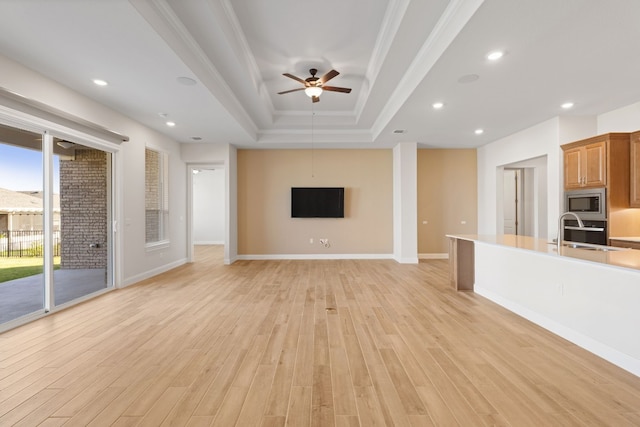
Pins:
x: 398, y: 56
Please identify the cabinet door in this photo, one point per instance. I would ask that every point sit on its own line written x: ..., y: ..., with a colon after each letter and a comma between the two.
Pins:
x: 634, y: 200
x: 572, y: 168
x: 624, y: 244
x: 595, y: 165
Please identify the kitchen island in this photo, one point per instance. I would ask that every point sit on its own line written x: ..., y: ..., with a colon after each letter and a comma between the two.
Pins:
x: 589, y: 297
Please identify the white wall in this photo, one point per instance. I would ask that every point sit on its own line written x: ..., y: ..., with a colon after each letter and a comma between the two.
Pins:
x: 537, y: 141
x: 231, y: 248
x: 136, y: 262
x: 209, y: 206
x: 625, y: 119
x: 205, y: 153
x: 529, y: 189
x: 405, y: 203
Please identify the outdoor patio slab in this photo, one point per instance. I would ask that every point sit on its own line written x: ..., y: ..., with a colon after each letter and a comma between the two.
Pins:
x: 26, y: 295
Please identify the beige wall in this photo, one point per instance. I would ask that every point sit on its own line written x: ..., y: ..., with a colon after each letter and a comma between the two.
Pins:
x: 265, y: 178
x: 447, y: 196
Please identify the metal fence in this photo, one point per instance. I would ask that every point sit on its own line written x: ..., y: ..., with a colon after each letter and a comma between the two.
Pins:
x: 26, y: 243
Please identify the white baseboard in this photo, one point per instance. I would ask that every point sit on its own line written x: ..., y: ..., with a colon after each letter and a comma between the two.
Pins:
x: 147, y: 274
x: 407, y: 260
x: 433, y: 256
x: 313, y: 256
x: 209, y: 242
x: 604, y: 351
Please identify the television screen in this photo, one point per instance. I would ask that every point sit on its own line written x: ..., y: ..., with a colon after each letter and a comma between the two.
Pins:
x: 317, y: 202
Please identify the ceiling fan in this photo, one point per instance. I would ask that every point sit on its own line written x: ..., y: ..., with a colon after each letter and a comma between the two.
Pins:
x: 313, y: 86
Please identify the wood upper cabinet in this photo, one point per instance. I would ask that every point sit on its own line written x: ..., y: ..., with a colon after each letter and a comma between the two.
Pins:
x: 585, y: 166
x: 603, y: 161
x: 634, y: 173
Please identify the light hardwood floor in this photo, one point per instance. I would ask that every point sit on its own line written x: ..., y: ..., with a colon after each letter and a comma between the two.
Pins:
x: 323, y: 343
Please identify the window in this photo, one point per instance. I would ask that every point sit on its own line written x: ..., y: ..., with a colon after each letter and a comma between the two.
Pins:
x: 156, y: 198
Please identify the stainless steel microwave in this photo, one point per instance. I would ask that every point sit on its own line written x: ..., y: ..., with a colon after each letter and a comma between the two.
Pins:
x: 587, y: 204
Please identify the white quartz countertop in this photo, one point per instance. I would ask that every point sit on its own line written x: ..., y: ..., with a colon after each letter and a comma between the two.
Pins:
x: 627, y: 258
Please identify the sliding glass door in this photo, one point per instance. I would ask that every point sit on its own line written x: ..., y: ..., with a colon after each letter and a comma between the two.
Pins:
x: 21, y: 224
x: 55, y: 222
x: 84, y: 176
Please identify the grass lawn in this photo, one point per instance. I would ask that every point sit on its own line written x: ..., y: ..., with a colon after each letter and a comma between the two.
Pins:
x: 15, y: 268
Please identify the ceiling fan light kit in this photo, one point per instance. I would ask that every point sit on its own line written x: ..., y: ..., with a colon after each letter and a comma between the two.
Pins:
x: 312, y: 91
x: 314, y: 86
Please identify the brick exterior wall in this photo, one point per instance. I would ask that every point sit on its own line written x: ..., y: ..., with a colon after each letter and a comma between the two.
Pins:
x: 83, y: 205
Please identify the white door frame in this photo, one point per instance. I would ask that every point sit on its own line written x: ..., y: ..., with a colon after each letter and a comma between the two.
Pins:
x: 190, y: 168
x: 48, y: 130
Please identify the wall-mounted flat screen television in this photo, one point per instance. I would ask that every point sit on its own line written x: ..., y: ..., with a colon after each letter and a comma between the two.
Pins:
x: 317, y: 202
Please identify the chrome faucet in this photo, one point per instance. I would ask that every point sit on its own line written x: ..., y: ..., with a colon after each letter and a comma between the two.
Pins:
x: 560, y: 237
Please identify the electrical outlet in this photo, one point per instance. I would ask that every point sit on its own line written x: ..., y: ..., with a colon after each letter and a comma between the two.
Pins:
x: 311, y: 241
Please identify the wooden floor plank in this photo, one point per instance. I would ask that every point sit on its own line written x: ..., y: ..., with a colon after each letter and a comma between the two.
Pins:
x: 344, y: 396
x: 27, y: 407
x: 280, y: 389
x: 301, y: 343
x: 369, y: 411
x: 253, y: 408
x: 53, y: 422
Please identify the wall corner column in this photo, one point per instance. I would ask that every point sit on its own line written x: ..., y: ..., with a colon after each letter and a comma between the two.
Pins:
x: 405, y: 203
x: 231, y: 217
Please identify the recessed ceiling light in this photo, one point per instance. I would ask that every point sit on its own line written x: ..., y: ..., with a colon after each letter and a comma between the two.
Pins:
x: 495, y: 55
x: 163, y: 115
x: 567, y: 105
x: 438, y: 105
x: 171, y: 124
x: 196, y: 138
x: 479, y: 131
x: 100, y: 82
x: 399, y: 131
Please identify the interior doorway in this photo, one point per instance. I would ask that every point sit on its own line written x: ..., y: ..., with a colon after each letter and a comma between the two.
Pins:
x: 513, y: 201
x: 207, y: 223
x: 522, y: 198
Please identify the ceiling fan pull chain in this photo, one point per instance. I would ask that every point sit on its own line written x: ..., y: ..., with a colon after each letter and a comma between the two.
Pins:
x: 312, y: 150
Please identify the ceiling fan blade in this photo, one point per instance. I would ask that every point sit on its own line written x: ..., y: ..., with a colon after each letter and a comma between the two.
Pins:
x: 315, y: 99
x: 331, y: 74
x: 292, y: 90
x: 337, y: 89
x: 298, y: 79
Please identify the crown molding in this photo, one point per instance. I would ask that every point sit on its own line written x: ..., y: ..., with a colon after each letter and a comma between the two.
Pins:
x: 452, y: 21
x: 162, y: 18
